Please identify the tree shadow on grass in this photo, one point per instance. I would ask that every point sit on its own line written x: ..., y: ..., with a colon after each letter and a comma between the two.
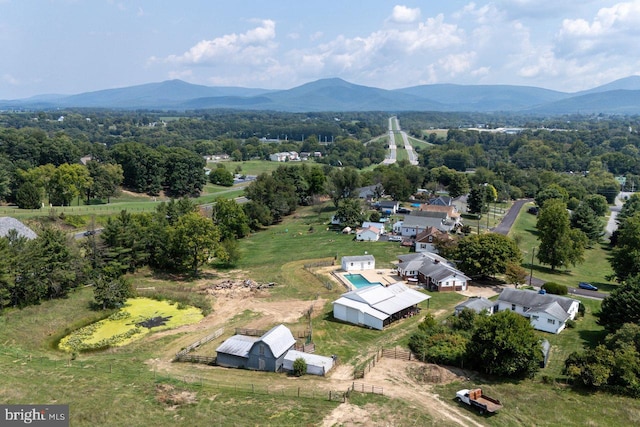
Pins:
x: 592, y: 338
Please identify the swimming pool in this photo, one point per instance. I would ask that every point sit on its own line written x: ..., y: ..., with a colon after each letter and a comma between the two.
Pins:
x: 359, y: 281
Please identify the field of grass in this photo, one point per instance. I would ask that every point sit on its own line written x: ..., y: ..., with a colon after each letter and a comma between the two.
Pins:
x: 594, y: 269
x: 140, y: 384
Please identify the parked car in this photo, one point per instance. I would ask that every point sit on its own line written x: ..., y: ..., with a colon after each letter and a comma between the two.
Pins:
x: 395, y: 238
x: 587, y: 286
x: 404, y: 211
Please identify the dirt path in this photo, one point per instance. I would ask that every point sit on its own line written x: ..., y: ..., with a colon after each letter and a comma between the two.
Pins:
x: 395, y: 379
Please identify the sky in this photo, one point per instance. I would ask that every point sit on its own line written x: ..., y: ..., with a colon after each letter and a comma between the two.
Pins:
x: 76, y: 46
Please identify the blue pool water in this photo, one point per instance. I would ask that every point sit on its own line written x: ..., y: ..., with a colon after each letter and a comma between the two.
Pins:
x: 359, y: 281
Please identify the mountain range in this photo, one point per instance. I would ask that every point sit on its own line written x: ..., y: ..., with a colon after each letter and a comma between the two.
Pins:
x: 334, y: 94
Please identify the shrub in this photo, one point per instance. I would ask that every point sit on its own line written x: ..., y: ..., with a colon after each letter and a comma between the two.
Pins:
x: 570, y: 323
x: 555, y: 288
x: 299, y: 367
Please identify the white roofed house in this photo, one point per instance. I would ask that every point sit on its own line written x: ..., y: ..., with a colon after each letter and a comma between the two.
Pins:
x: 378, y: 306
x: 546, y: 312
x: 358, y: 262
x: 369, y: 234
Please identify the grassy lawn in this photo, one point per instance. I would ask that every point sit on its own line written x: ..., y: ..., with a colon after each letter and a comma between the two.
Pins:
x: 137, y: 382
x: 249, y: 167
x: 594, y: 269
x: 586, y: 333
x: 532, y: 403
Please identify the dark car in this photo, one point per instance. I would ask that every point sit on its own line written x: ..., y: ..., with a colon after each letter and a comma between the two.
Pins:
x: 587, y: 286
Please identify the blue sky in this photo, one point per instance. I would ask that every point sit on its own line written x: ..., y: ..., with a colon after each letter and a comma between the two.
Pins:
x: 74, y: 46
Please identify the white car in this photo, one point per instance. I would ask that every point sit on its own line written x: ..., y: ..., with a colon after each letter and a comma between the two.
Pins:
x: 395, y: 238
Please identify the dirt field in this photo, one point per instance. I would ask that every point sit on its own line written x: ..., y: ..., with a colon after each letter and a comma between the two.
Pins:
x: 400, y: 380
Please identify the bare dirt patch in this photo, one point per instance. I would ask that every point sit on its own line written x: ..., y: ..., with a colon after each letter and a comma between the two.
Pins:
x: 409, y: 381
x: 173, y: 398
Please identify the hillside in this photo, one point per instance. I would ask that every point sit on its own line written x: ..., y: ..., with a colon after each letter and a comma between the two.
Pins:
x: 618, y: 97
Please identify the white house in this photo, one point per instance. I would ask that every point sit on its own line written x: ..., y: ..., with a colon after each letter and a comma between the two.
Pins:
x: 284, y: 156
x: 358, y: 263
x: 369, y: 234
x: 377, y: 306
x: 546, y: 312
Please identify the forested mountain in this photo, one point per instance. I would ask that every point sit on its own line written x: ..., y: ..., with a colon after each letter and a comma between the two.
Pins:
x: 619, y: 97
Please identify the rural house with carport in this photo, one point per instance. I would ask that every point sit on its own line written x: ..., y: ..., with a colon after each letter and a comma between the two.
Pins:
x: 378, y: 306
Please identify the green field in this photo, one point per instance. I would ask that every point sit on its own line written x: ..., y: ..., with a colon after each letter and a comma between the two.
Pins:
x: 594, y: 269
x: 144, y: 388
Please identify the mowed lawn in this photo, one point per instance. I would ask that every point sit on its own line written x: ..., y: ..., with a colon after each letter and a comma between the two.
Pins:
x: 594, y: 269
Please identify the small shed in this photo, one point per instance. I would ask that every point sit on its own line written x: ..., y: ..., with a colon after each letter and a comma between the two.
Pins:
x: 316, y: 364
x: 358, y: 263
x: 477, y: 304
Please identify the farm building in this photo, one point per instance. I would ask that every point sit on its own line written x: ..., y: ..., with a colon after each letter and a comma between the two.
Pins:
x: 316, y: 364
x: 358, y: 262
x: 265, y: 353
x: 7, y: 224
x: 377, y: 306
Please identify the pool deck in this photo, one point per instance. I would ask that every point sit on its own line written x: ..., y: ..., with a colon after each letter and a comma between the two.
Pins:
x: 385, y: 276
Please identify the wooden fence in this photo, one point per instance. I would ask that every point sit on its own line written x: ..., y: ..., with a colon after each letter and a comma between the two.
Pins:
x: 392, y: 353
x: 194, y: 358
x: 188, y: 349
x: 261, y: 332
x: 366, y: 388
x: 306, y: 348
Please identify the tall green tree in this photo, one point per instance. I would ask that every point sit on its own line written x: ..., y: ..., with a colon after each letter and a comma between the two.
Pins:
x: 350, y: 213
x: 622, y: 305
x: 559, y: 244
x: 194, y: 241
x: 585, y: 219
x: 625, y: 256
x: 486, y: 254
x: 343, y: 183
x: 505, y: 344
x: 184, y: 172
x: 221, y: 176
x: 29, y: 196
x: 230, y: 218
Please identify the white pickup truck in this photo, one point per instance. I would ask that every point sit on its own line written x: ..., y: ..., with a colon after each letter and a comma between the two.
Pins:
x: 478, y: 400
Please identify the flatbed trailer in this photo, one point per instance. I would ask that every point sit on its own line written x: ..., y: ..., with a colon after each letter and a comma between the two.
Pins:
x: 480, y: 401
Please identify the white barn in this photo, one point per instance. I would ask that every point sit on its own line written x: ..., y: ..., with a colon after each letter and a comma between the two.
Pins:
x: 358, y: 263
x: 377, y: 306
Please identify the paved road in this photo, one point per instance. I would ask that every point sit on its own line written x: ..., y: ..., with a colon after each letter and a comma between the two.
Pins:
x: 510, y: 217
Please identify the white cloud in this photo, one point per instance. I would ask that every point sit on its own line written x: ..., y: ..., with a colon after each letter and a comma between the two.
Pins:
x: 8, y: 78
x: 404, y: 15
x: 250, y: 46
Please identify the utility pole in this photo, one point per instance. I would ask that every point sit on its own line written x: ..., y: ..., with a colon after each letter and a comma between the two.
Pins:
x: 533, y: 253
